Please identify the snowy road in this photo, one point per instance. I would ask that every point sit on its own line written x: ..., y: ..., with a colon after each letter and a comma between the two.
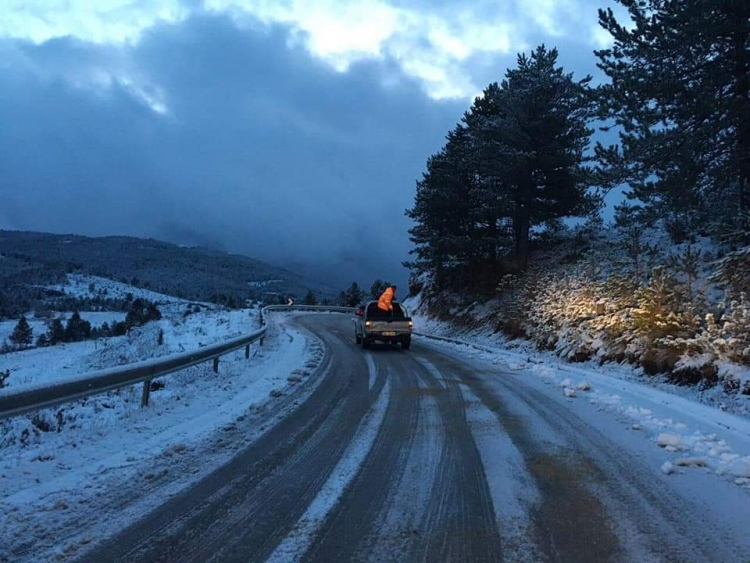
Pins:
x: 426, y: 455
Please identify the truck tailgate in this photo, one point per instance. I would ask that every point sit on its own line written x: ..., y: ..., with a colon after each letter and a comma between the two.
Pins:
x: 385, y: 326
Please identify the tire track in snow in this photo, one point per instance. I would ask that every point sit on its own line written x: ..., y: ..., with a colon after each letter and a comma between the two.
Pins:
x: 567, y: 505
x: 300, y: 538
x: 352, y: 528
x: 511, y: 486
x: 460, y: 523
x: 399, y: 523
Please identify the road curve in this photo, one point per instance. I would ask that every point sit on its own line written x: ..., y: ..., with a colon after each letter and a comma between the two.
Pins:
x: 421, y: 455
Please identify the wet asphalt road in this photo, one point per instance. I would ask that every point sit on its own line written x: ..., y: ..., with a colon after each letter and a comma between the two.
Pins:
x: 468, y: 464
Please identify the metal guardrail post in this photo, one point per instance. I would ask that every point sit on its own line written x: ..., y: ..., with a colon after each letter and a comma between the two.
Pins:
x: 146, y: 393
x: 216, y: 364
x: 247, y: 351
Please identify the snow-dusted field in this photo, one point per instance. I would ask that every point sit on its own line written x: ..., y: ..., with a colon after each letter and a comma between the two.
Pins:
x: 111, y: 452
x: 83, y: 285
x: 697, y: 436
x: 39, y: 326
x: 55, y: 363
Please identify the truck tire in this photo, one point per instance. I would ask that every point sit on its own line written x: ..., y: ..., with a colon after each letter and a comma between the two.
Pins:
x: 406, y: 344
x: 365, y: 342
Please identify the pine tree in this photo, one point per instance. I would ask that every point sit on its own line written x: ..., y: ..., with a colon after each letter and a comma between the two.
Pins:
x: 545, y: 140
x: 733, y: 272
x: 688, y: 262
x: 341, y: 299
x: 680, y: 94
x: 658, y: 313
x: 737, y: 329
x: 22, y: 334
x: 354, y: 295
x: 444, y: 241
x: 153, y: 313
x: 310, y: 298
x: 631, y: 222
x: 56, y: 332
x: 76, y: 328
x: 516, y: 161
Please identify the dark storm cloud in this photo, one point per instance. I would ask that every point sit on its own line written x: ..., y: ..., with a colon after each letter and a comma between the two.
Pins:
x: 264, y: 150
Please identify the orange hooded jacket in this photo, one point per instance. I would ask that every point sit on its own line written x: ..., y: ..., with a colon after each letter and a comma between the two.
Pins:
x: 386, y: 300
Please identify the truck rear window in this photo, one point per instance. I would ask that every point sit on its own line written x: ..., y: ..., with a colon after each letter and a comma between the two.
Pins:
x: 373, y: 311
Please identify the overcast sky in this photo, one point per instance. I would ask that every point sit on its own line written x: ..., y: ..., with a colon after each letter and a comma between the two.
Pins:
x: 289, y: 130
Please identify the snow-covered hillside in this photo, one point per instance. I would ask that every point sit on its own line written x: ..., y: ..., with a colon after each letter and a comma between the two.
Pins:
x: 41, y: 259
x: 82, y: 285
x: 597, y: 295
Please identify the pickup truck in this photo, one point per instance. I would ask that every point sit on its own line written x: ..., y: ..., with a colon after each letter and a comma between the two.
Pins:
x: 372, y: 324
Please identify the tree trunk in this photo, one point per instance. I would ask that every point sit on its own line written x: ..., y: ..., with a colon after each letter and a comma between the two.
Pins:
x: 742, y: 100
x: 522, y: 224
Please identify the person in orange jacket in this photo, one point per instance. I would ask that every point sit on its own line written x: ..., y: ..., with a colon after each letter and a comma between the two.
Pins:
x: 386, y: 299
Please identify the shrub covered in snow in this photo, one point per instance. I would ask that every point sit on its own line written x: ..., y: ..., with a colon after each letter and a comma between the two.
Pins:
x: 685, y: 317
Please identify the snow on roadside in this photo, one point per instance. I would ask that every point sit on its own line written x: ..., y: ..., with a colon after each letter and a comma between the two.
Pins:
x: 677, y: 424
x: 65, y: 483
x: 484, y: 335
x: 683, y: 427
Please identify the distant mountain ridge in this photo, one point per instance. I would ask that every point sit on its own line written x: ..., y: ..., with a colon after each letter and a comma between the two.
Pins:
x: 182, y: 271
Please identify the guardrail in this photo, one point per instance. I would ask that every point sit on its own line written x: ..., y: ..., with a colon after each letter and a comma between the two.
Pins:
x: 308, y: 308
x: 102, y: 381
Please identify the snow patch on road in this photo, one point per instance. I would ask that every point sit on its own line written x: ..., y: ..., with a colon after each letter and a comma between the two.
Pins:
x: 667, y: 418
x: 372, y: 371
x: 512, y: 488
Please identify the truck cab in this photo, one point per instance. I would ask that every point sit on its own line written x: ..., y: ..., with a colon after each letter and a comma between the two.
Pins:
x: 372, y: 324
